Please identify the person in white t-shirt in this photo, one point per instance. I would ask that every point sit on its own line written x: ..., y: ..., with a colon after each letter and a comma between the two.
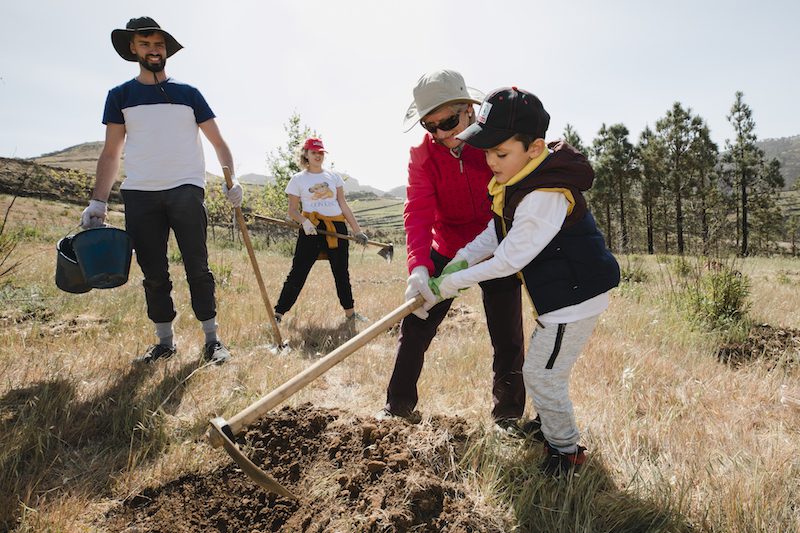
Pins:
x: 157, y: 121
x: 320, y: 192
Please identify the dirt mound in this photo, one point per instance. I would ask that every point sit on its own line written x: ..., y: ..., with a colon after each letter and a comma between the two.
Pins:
x: 350, y: 474
x: 777, y: 347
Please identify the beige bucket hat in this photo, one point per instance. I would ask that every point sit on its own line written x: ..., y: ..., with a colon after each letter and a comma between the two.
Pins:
x: 435, y: 89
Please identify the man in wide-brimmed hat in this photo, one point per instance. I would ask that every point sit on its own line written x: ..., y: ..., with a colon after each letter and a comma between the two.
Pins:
x: 157, y: 121
x: 446, y: 207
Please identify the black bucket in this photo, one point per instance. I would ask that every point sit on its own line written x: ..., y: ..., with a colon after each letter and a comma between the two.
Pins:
x: 104, y: 256
x: 69, y: 277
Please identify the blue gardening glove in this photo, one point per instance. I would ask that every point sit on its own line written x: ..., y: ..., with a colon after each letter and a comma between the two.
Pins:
x: 235, y: 194
x: 418, y: 284
x: 94, y: 216
x: 361, y: 238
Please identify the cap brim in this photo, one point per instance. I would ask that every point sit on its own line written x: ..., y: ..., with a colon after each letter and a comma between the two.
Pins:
x: 121, y: 39
x: 482, y: 137
x: 413, y: 114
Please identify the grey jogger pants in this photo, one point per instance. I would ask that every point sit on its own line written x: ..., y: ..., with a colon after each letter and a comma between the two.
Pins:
x: 551, y: 355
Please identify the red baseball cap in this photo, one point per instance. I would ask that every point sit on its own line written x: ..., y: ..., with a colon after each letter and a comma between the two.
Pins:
x: 314, y: 144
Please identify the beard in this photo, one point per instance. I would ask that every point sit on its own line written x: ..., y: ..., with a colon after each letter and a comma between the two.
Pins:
x: 153, y: 67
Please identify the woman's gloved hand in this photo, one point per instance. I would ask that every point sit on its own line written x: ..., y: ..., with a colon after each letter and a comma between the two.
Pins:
x: 417, y: 283
x: 361, y: 238
x: 309, y: 227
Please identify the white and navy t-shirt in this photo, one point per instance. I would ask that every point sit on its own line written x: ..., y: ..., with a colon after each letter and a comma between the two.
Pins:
x: 317, y: 192
x: 162, y: 145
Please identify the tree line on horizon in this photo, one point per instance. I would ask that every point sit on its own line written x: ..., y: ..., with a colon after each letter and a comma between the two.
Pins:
x: 675, y: 192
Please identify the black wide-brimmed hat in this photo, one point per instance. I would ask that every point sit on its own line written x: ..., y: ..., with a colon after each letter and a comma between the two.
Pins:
x: 121, y: 39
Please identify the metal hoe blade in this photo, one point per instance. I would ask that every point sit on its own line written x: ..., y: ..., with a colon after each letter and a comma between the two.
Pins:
x: 219, y: 426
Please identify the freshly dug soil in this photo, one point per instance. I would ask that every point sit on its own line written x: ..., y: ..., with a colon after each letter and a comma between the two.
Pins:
x: 349, y: 474
x: 776, y: 347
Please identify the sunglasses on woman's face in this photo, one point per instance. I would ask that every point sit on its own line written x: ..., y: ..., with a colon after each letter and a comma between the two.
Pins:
x: 446, y: 124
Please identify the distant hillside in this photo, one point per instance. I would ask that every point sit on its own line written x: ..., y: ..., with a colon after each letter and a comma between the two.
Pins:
x: 256, y: 179
x: 787, y: 151
x: 81, y: 157
x: 398, y: 192
x: 26, y: 178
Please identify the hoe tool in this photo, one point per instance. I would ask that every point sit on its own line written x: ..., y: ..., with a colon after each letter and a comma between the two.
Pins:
x: 246, y: 238
x: 222, y: 431
x: 386, y: 250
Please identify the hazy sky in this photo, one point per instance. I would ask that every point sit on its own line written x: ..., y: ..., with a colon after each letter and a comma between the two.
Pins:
x: 348, y: 67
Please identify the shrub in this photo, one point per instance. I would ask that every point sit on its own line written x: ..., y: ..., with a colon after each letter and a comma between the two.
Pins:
x: 719, y: 297
x: 633, y: 271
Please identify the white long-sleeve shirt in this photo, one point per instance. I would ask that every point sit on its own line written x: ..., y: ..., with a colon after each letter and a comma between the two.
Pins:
x: 537, y: 220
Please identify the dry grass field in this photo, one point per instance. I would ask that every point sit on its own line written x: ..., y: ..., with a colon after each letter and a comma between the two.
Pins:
x: 679, y: 441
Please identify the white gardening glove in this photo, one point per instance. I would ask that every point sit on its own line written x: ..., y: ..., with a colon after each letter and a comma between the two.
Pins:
x: 235, y: 194
x: 417, y: 283
x: 94, y: 215
x: 309, y: 227
x: 361, y: 238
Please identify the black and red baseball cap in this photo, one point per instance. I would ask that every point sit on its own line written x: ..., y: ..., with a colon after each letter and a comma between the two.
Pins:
x: 503, y: 114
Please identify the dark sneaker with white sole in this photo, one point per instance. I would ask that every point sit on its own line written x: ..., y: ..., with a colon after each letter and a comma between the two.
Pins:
x: 509, y: 427
x: 413, y: 417
x: 560, y: 464
x: 216, y: 352
x: 532, y: 429
x: 156, y: 352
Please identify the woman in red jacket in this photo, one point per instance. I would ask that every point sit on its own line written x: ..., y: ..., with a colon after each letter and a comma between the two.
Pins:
x: 446, y: 207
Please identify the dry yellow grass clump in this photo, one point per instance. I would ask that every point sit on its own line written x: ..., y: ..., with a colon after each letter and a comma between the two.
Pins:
x: 679, y: 441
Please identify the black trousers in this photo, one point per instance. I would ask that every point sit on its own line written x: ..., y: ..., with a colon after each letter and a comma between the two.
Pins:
x: 503, y: 306
x: 149, y: 217
x: 306, y: 251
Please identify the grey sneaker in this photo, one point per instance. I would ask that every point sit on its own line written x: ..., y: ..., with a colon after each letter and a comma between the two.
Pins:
x: 355, y: 317
x: 216, y: 352
x: 155, y: 352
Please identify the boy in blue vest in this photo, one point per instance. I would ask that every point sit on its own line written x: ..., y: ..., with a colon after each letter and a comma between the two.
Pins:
x: 542, y: 230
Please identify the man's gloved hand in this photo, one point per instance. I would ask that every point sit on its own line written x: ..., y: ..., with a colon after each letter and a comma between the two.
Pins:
x: 309, y: 227
x: 418, y: 284
x: 235, y: 194
x: 361, y: 238
x: 94, y: 216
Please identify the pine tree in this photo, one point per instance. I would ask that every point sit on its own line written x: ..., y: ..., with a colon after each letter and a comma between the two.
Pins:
x: 572, y: 138
x: 744, y: 157
x: 652, y: 156
x: 616, y: 169
x: 679, y: 131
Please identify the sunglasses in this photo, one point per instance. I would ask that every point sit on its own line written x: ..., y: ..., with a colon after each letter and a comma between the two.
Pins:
x: 446, y: 124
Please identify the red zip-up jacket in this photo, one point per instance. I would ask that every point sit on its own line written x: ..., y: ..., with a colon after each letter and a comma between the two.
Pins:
x: 447, y: 201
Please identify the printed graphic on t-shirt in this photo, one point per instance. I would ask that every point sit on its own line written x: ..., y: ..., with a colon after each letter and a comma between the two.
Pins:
x: 320, y: 191
x: 317, y: 191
